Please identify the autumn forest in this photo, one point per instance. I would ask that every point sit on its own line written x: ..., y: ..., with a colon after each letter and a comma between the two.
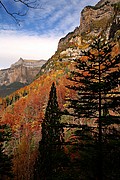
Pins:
x: 65, y: 124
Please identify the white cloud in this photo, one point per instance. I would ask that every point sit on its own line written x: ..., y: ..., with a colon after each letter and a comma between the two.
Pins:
x: 14, y: 45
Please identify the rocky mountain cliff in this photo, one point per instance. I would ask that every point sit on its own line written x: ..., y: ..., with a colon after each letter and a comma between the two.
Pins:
x: 103, y: 19
x: 22, y: 71
x: 18, y: 75
x: 94, y: 21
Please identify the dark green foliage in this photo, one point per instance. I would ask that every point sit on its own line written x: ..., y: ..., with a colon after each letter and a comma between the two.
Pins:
x: 25, y: 93
x: 8, y: 101
x: 97, y: 78
x: 7, y: 90
x: 52, y: 158
x: 5, y: 160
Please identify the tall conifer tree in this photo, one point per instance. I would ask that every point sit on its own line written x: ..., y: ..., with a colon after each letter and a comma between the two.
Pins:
x: 97, y: 77
x: 51, y: 156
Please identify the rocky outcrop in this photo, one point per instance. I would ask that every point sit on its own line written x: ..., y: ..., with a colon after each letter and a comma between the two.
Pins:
x: 70, y: 37
x: 101, y: 19
x: 23, y: 71
x: 102, y: 2
x: 98, y: 19
x: 94, y: 21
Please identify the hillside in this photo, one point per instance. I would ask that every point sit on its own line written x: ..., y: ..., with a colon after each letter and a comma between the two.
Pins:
x: 24, y: 109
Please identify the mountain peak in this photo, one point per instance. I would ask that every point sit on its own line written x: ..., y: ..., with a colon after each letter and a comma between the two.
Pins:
x: 23, y: 71
x: 102, y: 2
x: 102, y: 18
x: 28, y: 63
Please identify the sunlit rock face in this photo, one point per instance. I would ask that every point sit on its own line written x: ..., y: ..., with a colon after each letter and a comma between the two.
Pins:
x: 23, y: 71
x: 100, y: 20
x: 94, y: 21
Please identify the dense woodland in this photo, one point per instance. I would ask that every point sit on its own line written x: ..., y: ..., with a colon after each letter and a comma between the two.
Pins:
x: 70, y: 132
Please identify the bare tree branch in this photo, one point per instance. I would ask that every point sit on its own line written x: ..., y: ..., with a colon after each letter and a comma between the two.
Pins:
x: 28, y: 4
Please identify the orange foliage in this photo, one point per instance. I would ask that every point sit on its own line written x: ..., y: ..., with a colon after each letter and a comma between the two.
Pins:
x: 25, y: 114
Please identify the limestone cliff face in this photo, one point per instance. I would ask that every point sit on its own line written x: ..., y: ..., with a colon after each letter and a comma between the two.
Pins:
x: 101, y: 19
x: 94, y: 21
x: 98, y: 19
x: 22, y: 71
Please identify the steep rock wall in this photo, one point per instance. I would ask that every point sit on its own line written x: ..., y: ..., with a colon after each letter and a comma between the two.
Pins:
x: 22, y: 71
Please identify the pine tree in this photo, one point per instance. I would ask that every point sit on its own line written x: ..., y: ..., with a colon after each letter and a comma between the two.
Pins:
x: 51, y: 152
x: 96, y: 78
x: 5, y: 160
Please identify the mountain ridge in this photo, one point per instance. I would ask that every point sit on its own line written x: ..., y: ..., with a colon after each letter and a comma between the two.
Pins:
x: 20, y: 73
x: 20, y: 70
x: 94, y: 21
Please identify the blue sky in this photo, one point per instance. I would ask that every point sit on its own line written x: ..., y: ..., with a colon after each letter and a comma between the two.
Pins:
x: 39, y: 31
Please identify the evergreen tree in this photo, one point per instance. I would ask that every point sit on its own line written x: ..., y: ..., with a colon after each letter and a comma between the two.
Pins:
x: 5, y: 160
x: 51, y: 153
x: 96, y: 78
